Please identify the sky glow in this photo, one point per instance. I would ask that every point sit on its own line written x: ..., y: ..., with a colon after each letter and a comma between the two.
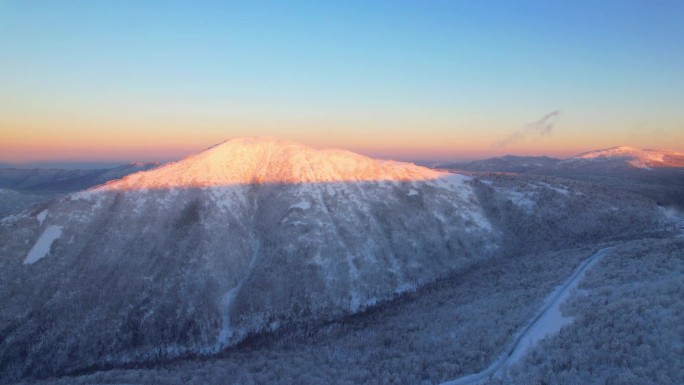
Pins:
x: 408, y: 80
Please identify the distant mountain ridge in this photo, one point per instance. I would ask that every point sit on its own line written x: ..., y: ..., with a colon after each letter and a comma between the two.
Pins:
x: 506, y: 163
x: 23, y: 188
x: 64, y: 181
x: 619, y: 156
x: 657, y: 174
x: 645, y: 159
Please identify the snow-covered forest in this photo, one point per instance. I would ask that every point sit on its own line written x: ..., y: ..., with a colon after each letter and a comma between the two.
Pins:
x: 404, y: 275
x: 628, y: 323
x: 626, y: 329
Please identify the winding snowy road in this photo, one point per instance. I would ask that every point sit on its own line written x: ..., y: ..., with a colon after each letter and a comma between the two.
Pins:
x: 547, y: 321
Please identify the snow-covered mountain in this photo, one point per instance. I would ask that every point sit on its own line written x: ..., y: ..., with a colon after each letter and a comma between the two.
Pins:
x: 263, y: 160
x: 657, y: 174
x: 251, y: 233
x: 600, y: 160
x: 622, y: 155
x: 257, y: 233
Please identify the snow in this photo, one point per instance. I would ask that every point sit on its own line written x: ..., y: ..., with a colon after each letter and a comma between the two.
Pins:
x: 87, y: 195
x: 644, y: 159
x: 520, y: 199
x: 302, y: 205
x: 331, y: 192
x: 250, y: 160
x: 676, y: 217
x: 226, y: 332
x: 552, y: 320
x: 41, y: 217
x: 548, y: 321
x: 226, y: 169
x: 42, y: 247
x: 456, y: 183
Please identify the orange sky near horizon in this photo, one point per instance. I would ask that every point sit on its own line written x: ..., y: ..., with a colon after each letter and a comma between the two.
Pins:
x: 112, y: 143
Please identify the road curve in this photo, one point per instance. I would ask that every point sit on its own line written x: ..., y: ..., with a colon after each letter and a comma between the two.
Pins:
x: 516, y: 349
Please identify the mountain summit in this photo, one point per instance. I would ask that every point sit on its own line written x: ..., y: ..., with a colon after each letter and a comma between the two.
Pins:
x: 247, y: 160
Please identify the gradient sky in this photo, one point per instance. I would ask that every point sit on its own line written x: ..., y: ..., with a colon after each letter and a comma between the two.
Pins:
x: 145, y: 80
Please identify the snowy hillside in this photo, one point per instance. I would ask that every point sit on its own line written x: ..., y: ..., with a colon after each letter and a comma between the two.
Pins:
x: 645, y: 159
x: 248, y: 160
x: 245, y: 236
x: 255, y: 234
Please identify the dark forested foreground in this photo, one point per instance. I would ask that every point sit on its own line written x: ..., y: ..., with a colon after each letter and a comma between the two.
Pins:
x: 627, y: 330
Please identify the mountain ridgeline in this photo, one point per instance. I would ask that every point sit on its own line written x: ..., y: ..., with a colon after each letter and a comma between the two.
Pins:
x: 21, y: 188
x: 656, y: 174
x: 255, y: 234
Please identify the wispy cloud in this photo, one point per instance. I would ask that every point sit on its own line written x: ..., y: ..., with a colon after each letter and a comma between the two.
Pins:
x: 542, y: 127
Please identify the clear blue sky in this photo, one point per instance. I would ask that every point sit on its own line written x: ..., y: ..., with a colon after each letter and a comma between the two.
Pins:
x: 137, y: 80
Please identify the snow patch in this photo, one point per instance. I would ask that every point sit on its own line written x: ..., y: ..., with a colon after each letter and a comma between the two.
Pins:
x: 412, y: 192
x: 520, y: 199
x: 675, y: 217
x: 226, y: 334
x: 42, y: 247
x: 455, y: 183
x: 41, y: 217
x: 86, y: 195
